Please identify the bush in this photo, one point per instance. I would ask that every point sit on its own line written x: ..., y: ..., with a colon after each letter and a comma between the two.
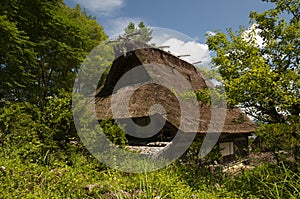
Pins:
x: 288, y: 134
x: 34, y: 134
x: 58, y: 118
x: 113, y: 132
x: 20, y: 130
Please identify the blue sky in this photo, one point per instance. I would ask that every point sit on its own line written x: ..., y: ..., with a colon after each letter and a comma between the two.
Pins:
x: 193, y: 18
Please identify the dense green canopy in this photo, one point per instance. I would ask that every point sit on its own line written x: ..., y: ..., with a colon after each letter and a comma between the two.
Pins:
x: 260, y: 69
x: 263, y: 78
x: 42, y: 46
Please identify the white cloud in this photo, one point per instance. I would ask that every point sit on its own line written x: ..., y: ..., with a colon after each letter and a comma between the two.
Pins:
x: 252, y: 34
x: 116, y: 26
x: 198, y: 52
x: 106, y: 7
x: 181, y: 44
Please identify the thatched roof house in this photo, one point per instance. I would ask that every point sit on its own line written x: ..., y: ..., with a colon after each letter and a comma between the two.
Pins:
x: 237, y: 126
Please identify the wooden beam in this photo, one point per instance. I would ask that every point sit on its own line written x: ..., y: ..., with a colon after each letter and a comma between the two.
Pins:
x: 199, y: 62
x: 133, y: 34
x: 183, y: 56
x: 162, y: 47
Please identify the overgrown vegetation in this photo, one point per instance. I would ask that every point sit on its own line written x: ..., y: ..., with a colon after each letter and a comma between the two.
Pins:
x: 42, y: 44
x: 39, y: 161
x: 263, y: 78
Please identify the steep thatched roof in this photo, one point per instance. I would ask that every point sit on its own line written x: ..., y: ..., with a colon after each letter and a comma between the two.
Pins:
x: 144, y: 96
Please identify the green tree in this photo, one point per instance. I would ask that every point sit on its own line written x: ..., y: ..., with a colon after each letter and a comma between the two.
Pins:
x: 264, y: 78
x: 144, y: 32
x: 49, y: 40
x: 133, y: 38
x: 17, y: 60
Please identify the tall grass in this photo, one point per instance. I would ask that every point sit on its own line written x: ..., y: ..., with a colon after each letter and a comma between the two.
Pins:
x: 268, y: 181
x: 81, y: 176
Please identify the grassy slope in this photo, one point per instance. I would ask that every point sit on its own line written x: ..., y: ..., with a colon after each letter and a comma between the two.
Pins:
x: 83, y: 177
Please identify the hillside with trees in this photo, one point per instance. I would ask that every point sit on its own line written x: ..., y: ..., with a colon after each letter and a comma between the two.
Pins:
x: 42, y: 46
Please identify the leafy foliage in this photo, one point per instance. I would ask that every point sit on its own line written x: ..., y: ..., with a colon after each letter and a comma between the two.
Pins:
x: 289, y: 136
x: 19, y: 131
x: 113, y: 132
x: 58, y: 118
x: 17, y: 59
x: 31, y: 133
x: 144, y: 32
x: 46, y: 41
x: 263, y: 78
x: 42, y: 44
